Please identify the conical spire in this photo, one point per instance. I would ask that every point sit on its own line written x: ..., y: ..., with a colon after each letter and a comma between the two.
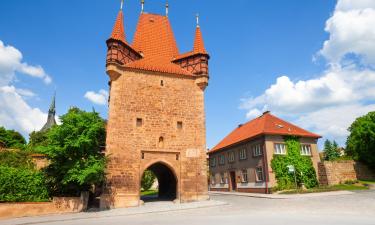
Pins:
x: 52, y: 107
x: 51, y: 115
x: 198, y: 41
x: 118, y: 32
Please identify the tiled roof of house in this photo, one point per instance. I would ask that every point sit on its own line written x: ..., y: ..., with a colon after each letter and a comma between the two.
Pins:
x: 198, y: 42
x: 118, y: 32
x: 264, y: 124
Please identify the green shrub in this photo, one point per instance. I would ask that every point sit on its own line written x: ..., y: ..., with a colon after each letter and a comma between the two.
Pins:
x: 305, y: 172
x: 12, y: 139
x: 22, y: 185
x: 148, y: 180
x: 16, y: 159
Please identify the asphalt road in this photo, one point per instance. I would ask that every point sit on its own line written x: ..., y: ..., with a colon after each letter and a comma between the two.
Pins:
x: 354, y: 209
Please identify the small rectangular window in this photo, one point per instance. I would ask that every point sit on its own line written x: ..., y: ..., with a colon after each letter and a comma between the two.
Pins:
x: 213, y: 161
x: 305, y: 150
x: 244, y: 176
x: 243, y: 154
x: 139, y: 122
x: 257, y: 150
x: 179, y: 125
x: 259, y: 173
x: 231, y: 157
x: 221, y: 160
x: 280, y: 149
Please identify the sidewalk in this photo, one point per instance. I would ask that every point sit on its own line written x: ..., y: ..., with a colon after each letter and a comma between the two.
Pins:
x: 282, y: 196
x: 151, y: 207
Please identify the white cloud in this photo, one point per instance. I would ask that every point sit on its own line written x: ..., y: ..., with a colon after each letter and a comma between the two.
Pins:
x: 16, y: 114
x: 11, y: 62
x: 100, y: 98
x: 327, y: 104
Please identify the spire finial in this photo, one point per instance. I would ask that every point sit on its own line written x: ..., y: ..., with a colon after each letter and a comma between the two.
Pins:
x: 122, y: 4
x: 142, y: 5
x: 197, y: 17
x: 166, y: 8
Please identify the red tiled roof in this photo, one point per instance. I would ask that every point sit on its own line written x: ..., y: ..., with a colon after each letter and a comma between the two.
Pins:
x: 265, y: 124
x: 198, y: 42
x: 118, y: 32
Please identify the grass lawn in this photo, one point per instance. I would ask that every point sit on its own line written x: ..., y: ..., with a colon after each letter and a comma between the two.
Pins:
x: 149, y: 192
x: 338, y: 187
x: 367, y: 181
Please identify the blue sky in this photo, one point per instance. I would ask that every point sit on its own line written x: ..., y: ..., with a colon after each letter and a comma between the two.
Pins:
x: 258, y: 50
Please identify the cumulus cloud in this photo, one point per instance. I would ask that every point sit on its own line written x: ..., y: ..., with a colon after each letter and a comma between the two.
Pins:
x: 11, y: 62
x: 100, y: 98
x: 328, y: 103
x: 15, y: 112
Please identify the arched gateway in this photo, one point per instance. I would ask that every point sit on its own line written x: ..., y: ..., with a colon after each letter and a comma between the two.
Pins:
x: 156, y: 116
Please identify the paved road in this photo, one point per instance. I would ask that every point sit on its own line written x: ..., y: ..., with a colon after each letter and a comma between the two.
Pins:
x: 354, y: 209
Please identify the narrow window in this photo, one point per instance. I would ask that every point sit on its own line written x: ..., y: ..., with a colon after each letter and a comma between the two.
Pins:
x: 139, y: 122
x: 161, y: 142
x: 280, y: 149
x: 179, y: 125
x: 244, y: 176
x: 259, y: 173
x: 231, y: 157
x: 221, y: 159
x: 161, y: 83
x: 143, y: 155
x: 177, y: 156
x: 222, y: 178
x: 213, y: 161
x: 257, y: 150
x: 305, y: 150
x: 243, y: 154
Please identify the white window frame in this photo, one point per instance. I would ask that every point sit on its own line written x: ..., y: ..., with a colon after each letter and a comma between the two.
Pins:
x: 244, y: 176
x: 221, y: 159
x: 279, y: 149
x: 258, y: 170
x: 306, y: 150
x: 257, y: 150
x: 231, y: 157
x: 222, y: 178
x: 243, y: 153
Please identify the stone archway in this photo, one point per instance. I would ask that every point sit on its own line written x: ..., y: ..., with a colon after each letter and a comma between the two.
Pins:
x: 167, y: 182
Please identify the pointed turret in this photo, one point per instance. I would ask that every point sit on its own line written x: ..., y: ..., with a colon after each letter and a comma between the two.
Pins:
x: 198, y: 41
x: 118, y: 32
x: 51, y: 115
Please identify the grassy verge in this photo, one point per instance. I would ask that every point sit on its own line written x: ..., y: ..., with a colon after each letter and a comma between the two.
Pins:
x: 367, y: 181
x: 149, y: 192
x: 339, y: 187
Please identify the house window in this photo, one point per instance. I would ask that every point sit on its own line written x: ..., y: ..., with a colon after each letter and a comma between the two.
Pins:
x: 280, y: 149
x: 305, y: 150
x: 213, y: 178
x: 244, y: 176
x: 213, y: 162
x: 257, y: 150
x: 243, y: 153
x: 231, y: 157
x: 179, y: 125
x: 139, y: 122
x: 259, y: 173
x: 221, y: 160
x: 222, y: 178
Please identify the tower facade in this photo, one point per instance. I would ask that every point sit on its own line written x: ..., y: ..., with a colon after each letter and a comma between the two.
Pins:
x: 156, y: 117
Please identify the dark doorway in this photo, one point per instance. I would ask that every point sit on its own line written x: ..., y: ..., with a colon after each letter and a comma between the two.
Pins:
x: 233, y: 183
x: 167, y: 183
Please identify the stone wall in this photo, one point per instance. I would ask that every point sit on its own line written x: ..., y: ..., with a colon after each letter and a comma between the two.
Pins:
x: 57, y: 206
x: 40, y: 160
x: 336, y: 172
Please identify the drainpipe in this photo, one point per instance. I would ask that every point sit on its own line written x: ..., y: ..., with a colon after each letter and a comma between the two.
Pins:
x: 265, y: 163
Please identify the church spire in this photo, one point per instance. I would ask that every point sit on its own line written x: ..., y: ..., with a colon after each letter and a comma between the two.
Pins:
x: 198, y: 41
x: 51, y: 115
x: 118, y: 32
x: 52, y: 107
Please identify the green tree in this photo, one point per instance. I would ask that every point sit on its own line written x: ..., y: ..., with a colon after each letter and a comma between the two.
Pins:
x: 38, y: 140
x: 148, y: 180
x: 12, y: 138
x: 360, y: 144
x: 331, y: 150
x: 74, y: 150
x: 305, y: 172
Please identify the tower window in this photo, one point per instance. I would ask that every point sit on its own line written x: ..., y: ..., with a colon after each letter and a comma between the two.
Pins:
x: 179, y: 125
x: 139, y: 122
x: 161, y: 83
x: 161, y: 142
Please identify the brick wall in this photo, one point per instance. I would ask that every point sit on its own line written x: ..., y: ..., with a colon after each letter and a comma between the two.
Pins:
x: 336, y: 172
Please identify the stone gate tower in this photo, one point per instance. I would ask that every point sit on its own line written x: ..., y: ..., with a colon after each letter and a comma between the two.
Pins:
x: 156, y: 115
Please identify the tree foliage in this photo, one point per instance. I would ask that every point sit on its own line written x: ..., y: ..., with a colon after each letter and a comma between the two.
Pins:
x: 74, y: 150
x: 360, y: 144
x: 22, y: 185
x: 331, y: 150
x: 148, y: 180
x: 12, y: 139
x: 16, y: 159
x: 305, y: 172
x: 38, y: 140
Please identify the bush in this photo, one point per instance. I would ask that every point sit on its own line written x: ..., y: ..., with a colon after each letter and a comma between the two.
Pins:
x: 305, y: 172
x: 16, y: 159
x: 12, y: 139
x: 22, y: 184
x: 148, y: 180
